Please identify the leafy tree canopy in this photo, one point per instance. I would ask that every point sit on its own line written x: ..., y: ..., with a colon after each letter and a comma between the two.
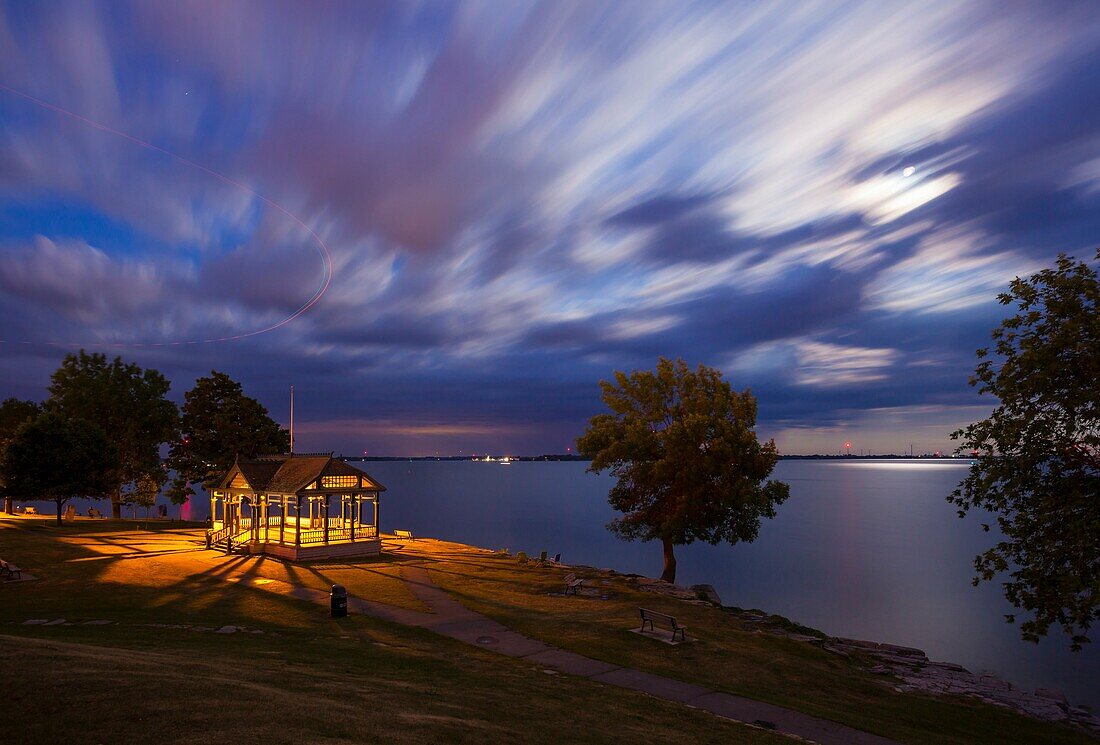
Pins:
x: 688, y: 462
x: 13, y: 414
x: 127, y: 402
x: 1037, y: 456
x: 219, y: 423
x: 144, y: 491
x: 57, y: 458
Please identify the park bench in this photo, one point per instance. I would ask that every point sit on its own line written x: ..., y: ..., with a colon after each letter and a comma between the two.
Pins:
x: 404, y: 534
x: 30, y: 510
x: 11, y: 570
x: 572, y: 582
x: 649, y: 616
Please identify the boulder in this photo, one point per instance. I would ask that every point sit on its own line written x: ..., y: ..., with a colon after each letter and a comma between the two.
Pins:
x: 706, y: 592
x: 1053, y: 694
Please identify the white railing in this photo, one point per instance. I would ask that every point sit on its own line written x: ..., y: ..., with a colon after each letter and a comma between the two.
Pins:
x: 362, y: 533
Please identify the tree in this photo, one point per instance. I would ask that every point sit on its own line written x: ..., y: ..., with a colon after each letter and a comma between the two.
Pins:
x: 127, y: 402
x: 1037, y: 456
x: 219, y: 423
x: 53, y: 457
x: 688, y: 462
x: 143, y: 492
x: 13, y: 414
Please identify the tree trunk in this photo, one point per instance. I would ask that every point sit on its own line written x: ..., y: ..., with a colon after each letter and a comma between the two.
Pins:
x: 116, y: 505
x: 60, y: 502
x: 669, y: 574
x: 8, y: 505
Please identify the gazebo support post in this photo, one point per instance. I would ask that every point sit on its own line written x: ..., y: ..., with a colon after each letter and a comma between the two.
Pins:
x: 298, y: 521
x: 351, y: 517
x: 325, y: 518
x: 282, y: 520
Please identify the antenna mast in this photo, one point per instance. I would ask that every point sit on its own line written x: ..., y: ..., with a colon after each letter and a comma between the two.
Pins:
x: 292, y: 420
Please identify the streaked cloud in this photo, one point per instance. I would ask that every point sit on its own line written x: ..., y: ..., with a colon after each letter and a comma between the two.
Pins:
x: 519, y: 198
x: 827, y: 365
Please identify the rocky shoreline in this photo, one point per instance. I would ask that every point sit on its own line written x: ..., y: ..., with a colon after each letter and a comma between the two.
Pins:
x: 904, y: 669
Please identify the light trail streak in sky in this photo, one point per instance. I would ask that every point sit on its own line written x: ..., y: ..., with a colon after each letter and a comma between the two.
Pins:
x: 322, y: 248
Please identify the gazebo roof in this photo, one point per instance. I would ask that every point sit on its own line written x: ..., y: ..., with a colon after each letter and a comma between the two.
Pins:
x: 289, y: 474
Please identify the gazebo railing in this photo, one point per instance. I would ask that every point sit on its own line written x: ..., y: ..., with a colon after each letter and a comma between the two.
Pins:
x: 362, y: 532
x: 312, y: 536
x: 213, y: 536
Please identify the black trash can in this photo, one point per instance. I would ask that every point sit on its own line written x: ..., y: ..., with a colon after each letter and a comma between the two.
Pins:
x: 338, y: 601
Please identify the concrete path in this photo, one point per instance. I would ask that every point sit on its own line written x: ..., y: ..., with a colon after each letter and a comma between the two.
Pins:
x: 456, y: 621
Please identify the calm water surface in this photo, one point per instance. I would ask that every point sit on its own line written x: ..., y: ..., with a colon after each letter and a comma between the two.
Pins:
x: 865, y: 549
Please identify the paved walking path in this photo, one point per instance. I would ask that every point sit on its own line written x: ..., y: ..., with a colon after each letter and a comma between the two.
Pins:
x: 456, y: 621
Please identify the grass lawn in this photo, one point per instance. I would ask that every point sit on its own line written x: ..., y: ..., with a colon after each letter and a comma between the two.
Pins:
x: 729, y: 655
x: 159, y: 672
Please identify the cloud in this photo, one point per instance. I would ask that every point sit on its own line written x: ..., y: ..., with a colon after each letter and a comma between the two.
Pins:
x: 828, y: 365
x: 521, y: 198
x: 83, y: 283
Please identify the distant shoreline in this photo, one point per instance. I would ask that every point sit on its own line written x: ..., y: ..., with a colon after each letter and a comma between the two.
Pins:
x: 553, y: 458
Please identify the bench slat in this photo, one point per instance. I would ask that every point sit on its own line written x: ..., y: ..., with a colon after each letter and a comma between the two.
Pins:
x: 572, y: 582
x: 649, y: 616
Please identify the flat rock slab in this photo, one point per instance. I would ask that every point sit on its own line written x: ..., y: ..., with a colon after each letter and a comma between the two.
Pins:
x: 660, y: 636
x: 23, y: 577
x: 654, y: 685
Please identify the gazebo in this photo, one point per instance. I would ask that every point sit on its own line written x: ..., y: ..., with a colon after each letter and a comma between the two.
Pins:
x: 282, y: 505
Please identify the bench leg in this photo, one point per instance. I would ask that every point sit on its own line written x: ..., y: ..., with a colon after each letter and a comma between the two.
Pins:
x: 681, y: 633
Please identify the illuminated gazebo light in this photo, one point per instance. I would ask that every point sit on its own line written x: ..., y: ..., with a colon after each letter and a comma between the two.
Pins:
x: 282, y: 505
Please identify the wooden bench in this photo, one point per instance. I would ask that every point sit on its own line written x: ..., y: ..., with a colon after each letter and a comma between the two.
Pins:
x: 649, y: 616
x: 11, y: 570
x: 29, y: 510
x: 572, y: 582
x: 404, y: 534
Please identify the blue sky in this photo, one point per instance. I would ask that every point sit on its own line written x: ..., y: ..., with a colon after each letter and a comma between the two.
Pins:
x: 820, y: 199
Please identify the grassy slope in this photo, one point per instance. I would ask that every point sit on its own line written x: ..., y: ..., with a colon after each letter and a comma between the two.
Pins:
x: 307, y: 678
x: 729, y: 655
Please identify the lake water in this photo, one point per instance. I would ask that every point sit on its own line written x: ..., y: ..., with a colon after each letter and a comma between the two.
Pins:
x: 865, y: 549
